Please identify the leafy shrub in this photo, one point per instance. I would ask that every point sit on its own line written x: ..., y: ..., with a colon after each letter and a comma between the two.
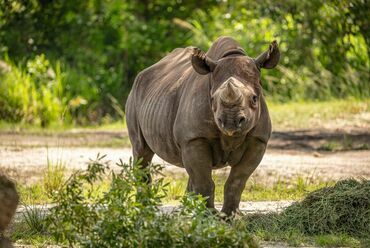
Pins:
x: 324, y: 61
x: 34, y: 94
x: 128, y: 213
x: 325, y: 48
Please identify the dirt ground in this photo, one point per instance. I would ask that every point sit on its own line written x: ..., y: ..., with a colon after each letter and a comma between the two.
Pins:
x: 322, y: 154
x: 325, y: 154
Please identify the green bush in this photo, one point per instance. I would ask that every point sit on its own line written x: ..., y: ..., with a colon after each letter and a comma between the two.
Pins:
x: 102, y: 45
x: 34, y: 94
x: 321, y: 54
x: 128, y: 213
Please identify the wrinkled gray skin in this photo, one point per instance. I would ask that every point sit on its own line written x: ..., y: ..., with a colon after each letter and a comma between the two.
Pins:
x: 203, y: 112
x: 9, y: 200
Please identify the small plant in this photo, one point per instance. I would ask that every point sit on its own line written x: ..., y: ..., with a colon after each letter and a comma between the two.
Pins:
x: 34, y: 94
x: 31, y: 227
x: 54, y: 176
x: 34, y: 217
x: 127, y: 214
x: 330, y: 146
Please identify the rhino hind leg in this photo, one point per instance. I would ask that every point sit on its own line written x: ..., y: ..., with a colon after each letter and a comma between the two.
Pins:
x: 141, y: 150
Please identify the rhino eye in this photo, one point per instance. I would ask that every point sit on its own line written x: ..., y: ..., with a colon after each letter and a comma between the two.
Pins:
x: 254, y: 99
x: 220, y: 122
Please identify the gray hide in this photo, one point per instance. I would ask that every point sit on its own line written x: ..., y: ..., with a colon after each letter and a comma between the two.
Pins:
x: 203, y: 112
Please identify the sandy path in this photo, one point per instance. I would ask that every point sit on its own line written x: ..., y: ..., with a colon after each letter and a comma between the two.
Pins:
x: 275, y: 164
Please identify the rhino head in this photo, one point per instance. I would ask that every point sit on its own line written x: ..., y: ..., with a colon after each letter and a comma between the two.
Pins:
x: 235, y: 87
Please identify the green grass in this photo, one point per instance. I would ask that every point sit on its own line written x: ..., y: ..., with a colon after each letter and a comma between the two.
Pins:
x: 327, y: 214
x: 343, y: 145
x: 31, y: 228
x: 54, y: 176
x: 301, y: 115
x: 290, y: 115
x: 57, y: 128
x: 330, y: 240
x: 292, y: 189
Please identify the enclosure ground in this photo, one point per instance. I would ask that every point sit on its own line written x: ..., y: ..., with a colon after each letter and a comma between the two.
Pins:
x: 314, y: 155
x: 323, y: 153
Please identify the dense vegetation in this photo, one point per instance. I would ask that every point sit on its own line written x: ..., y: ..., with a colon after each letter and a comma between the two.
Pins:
x: 75, y: 61
x: 127, y: 213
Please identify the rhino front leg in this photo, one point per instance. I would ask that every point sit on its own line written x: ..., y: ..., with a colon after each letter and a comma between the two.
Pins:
x: 235, y: 184
x: 197, y: 160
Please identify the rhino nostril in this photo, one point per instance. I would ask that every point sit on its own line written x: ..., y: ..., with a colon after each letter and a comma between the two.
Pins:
x: 242, y: 120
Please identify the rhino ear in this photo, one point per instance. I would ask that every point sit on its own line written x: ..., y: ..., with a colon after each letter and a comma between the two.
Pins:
x: 201, y: 62
x: 270, y: 58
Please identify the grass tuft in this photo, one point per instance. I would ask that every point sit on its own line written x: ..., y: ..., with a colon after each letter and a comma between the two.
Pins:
x: 342, y: 209
x: 54, y: 176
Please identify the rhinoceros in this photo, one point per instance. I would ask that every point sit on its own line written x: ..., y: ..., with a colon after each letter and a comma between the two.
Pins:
x: 203, y: 111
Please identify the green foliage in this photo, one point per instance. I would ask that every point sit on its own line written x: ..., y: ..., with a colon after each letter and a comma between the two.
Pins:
x: 102, y: 45
x: 33, y: 94
x: 324, y: 53
x: 127, y: 214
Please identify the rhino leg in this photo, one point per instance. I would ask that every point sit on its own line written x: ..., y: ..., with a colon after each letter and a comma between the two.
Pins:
x: 197, y: 160
x: 146, y: 154
x: 239, y: 174
x: 140, y: 149
x: 189, y: 187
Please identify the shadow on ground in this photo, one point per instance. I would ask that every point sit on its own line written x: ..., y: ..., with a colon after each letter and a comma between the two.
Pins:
x: 302, y: 140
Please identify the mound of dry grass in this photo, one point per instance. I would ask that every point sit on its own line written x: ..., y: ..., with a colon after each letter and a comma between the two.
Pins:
x: 340, y: 209
x: 343, y: 208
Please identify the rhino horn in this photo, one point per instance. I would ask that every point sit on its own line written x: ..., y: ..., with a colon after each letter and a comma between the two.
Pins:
x: 231, y: 93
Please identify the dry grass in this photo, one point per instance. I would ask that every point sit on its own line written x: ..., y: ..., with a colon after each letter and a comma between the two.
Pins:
x: 333, y: 214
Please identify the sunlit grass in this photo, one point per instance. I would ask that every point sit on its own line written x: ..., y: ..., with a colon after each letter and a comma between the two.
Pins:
x: 290, y: 115
x: 292, y: 189
x: 301, y: 115
x: 60, y: 128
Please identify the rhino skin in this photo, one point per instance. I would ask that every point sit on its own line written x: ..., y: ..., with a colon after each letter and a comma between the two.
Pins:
x: 9, y: 200
x: 203, y: 111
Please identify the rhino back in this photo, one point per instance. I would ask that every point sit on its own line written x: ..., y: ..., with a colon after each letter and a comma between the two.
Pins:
x: 153, y: 103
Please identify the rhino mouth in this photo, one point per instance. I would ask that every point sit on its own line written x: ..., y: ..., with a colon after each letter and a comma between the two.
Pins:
x: 232, y: 133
